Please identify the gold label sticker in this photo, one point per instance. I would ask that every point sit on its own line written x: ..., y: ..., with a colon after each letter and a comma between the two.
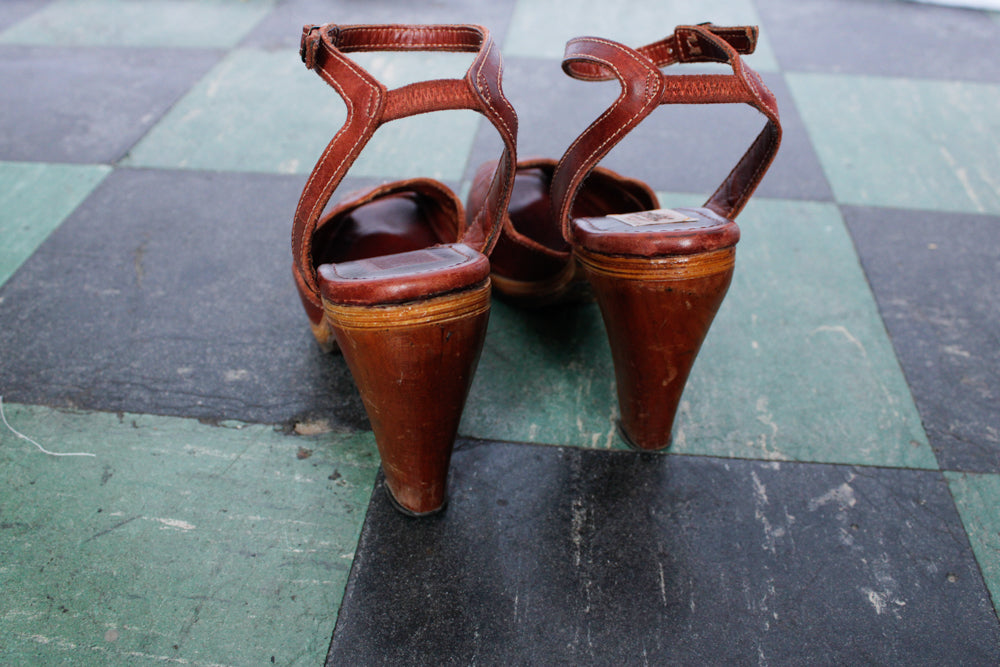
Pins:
x: 660, y: 216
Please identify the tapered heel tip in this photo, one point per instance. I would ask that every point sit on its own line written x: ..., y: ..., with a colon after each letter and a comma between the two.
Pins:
x: 623, y: 434
x: 412, y: 513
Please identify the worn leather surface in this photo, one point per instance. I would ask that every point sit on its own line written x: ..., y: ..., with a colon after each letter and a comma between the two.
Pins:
x: 404, y: 276
x: 655, y: 330
x: 645, y: 87
x: 659, y: 284
x: 609, y: 235
x: 531, y: 247
x: 538, y: 233
x: 413, y: 364
x: 393, y: 217
x: 369, y: 105
x: 659, y: 276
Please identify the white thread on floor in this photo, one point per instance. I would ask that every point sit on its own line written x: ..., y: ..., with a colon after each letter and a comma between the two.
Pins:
x: 24, y: 437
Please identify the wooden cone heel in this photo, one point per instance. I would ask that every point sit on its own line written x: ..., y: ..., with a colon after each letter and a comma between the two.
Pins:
x: 658, y: 275
x: 413, y: 364
x: 396, y: 276
x: 657, y: 311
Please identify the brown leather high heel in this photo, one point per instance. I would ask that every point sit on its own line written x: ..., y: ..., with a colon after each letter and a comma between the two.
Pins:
x: 396, y: 276
x: 659, y: 275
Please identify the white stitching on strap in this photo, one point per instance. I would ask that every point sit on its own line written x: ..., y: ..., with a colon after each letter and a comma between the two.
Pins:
x: 571, y: 198
x: 330, y: 185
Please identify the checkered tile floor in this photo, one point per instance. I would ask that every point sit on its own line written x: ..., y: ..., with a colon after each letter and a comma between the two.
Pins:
x: 832, y: 494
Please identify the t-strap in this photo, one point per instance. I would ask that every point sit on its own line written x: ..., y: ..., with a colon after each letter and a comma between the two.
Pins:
x: 645, y: 87
x: 370, y: 104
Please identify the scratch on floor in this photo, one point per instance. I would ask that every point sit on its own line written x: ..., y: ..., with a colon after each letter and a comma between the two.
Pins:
x: 887, y: 598
x: 841, y: 329
x: 663, y: 586
x: 176, y: 524
x: 576, y: 528
x: 613, y: 420
x: 759, y: 490
x: 236, y: 375
x: 876, y: 600
x: 765, y: 417
x: 843, y: 495
x: 962, y: 174
x: 114, y: 527
x: 215, y: 453
x: 955, y: 350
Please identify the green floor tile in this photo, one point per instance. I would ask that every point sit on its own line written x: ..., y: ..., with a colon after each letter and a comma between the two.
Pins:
x: 544, y: 376
x: 265, y: 112
x: 178, y: 542
x: 34, y: 200
x: 541, y: 29
x: 905, y: 143
x: 180, y: 23
x: 977, y: 498
x: 797, y: 366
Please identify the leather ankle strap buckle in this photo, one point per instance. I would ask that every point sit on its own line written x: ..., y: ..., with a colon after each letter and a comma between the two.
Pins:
x: 691, y: 48
x: 309, y: 45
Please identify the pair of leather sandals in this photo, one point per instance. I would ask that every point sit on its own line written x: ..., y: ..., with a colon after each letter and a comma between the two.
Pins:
x: 399, y: 277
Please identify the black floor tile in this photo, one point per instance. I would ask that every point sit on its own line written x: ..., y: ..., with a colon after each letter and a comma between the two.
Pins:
x: 551, y: 556
x: 283, y: 27
x: 935, y: 277
x: 678, y: 148
x: 888, y: 38
x: 98, y: 101
x: 170, y: 292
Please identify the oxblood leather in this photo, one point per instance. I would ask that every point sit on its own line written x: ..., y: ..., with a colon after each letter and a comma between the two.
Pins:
x: 369, y: 105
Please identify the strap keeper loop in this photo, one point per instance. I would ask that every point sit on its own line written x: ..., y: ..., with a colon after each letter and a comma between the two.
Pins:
x: 309, y: 45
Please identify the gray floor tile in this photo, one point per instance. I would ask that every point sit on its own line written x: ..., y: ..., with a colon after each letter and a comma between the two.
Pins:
x: 935, y: 278
x: 97, y: 102
x: 884, y: 37
x: 171, y: 293
x: 566, y: 556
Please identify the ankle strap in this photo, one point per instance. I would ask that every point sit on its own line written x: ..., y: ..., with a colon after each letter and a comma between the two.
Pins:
x: 644, y: 88
x: 370, y: 104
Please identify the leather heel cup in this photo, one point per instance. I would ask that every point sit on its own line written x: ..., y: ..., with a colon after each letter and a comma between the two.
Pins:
x: 659, y: 275
x: 397, y: 275
x: 657, y: 312
x: 413, y: 364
